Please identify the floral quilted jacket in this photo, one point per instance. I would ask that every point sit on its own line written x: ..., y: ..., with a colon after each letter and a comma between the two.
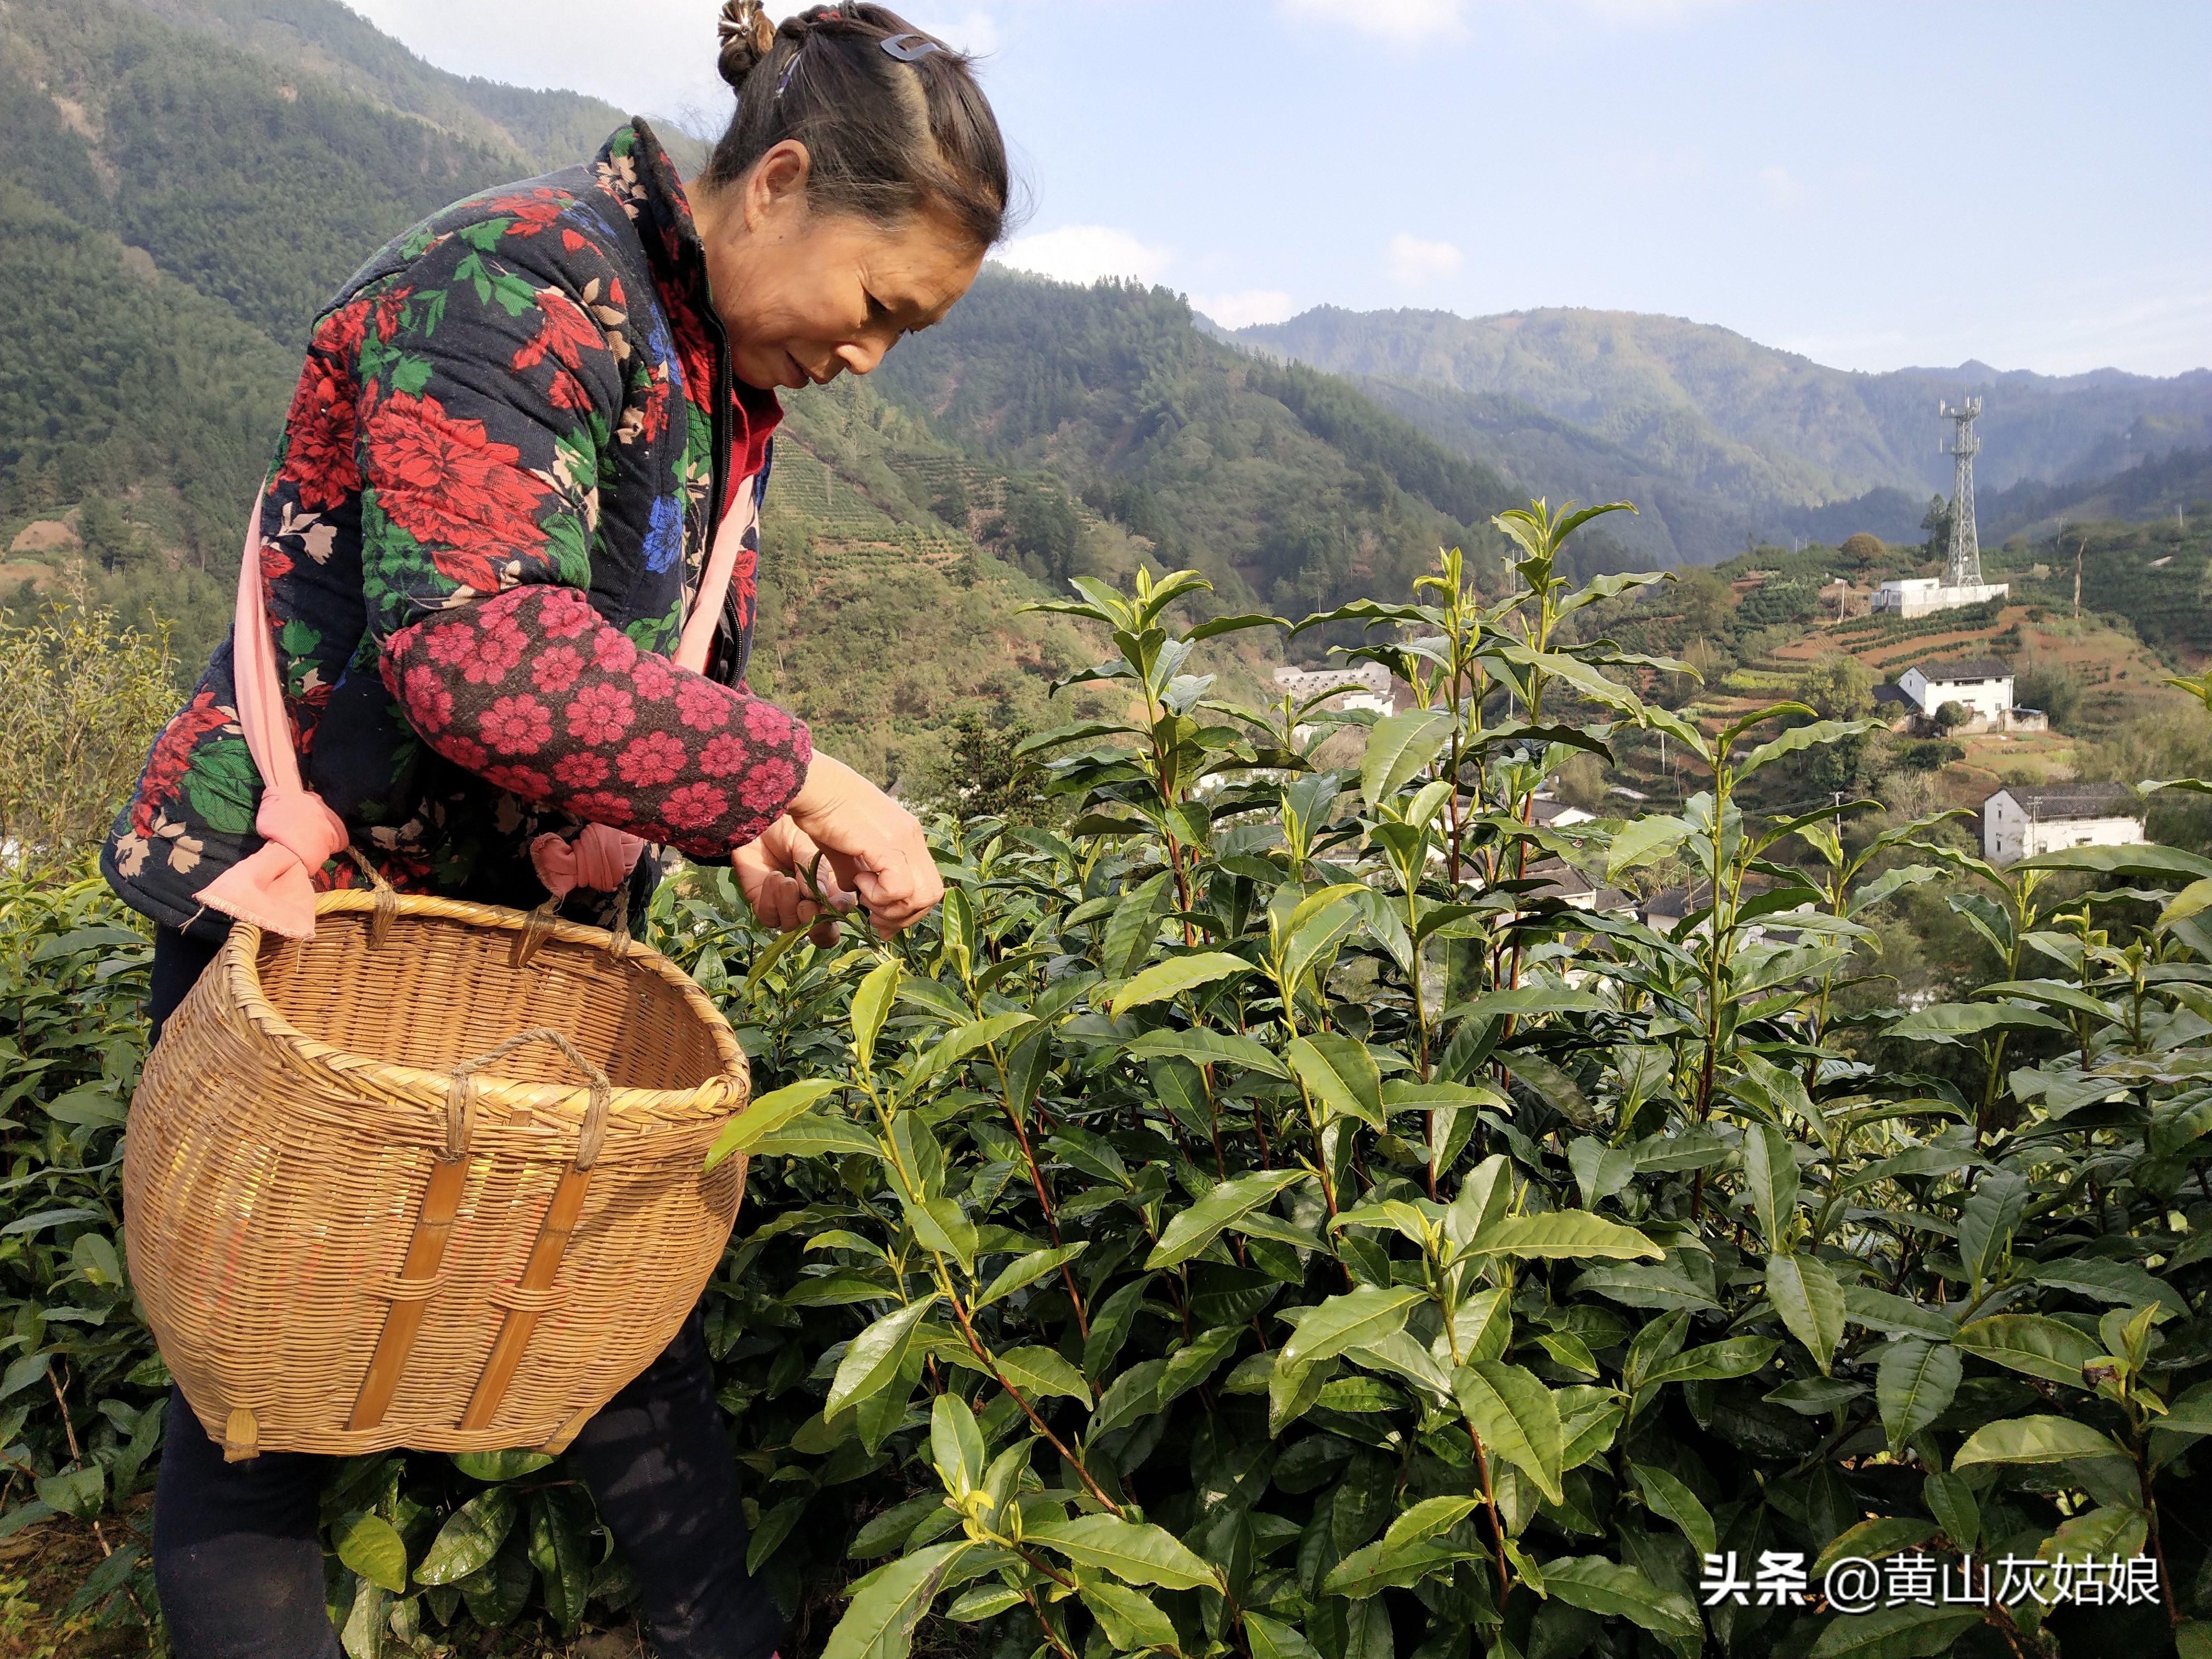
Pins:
x: 496, y: 487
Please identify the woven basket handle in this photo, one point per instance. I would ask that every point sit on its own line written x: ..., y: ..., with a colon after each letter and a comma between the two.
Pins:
x: 388, y: 900
x: 463, y: 1087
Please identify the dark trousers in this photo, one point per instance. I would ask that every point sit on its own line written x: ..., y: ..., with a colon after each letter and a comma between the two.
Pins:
x: 239, y: 1562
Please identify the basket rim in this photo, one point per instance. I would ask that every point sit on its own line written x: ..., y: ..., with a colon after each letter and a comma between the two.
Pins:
x: 721, y: 1095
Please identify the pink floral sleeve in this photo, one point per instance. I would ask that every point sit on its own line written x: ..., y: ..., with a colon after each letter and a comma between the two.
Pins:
x: 535, y: 692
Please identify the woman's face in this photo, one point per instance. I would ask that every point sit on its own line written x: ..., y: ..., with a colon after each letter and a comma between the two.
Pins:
x: 805, y: 296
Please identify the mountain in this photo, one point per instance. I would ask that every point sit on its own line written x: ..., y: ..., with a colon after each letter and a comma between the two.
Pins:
x: 256, y: 183
x: 1723, y: 436
x: 551, y: 128
x: 189, y: 180
x: 1286, y: 486
x: 2180, y: 482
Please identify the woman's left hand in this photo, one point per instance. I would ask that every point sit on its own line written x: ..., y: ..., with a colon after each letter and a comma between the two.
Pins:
x: 769, y: 871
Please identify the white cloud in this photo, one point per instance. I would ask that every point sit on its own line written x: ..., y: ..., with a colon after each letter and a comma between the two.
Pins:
x: 1415, y: 264
x: 1083, y: 253
x: 1246, y: 307
x: 1402, y: 22
x: 1785, y: 190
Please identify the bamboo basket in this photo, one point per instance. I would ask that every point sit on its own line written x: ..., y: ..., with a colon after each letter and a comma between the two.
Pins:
x: 434, y: 1178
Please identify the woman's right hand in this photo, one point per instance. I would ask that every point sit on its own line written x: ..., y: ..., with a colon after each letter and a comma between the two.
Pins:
x: 778, y: 874
x: 875, y: 845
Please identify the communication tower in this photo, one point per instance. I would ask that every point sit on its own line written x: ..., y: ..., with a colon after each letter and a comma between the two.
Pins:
x: 1963, y: 567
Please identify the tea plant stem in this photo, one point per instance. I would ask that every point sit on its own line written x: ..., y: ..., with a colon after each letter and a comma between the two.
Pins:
x: 1044, y: 1624
x: 976, y: 1347
x: 1046, y: 1568
x: 1213, y: 1124
x: 1490, y: 1504
x: 77, y: 1455
x: 1183, y: 890
x: 1481, y: 1457
x: 2157, y: 1544
x: 968, y: 1328
x: 1982, y: 1118
x: 1044, y: 1199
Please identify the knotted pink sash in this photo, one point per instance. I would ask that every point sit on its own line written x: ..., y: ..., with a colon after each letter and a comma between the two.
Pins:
x: 273, y: 887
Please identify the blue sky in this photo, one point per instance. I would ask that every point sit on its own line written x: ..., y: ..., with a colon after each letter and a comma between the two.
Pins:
x: 1872, y: 185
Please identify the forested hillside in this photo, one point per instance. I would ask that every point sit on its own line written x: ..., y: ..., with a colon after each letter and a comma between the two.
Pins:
x: 256, y: 188
x: 175, y: 210
x: 337, y: 44
x: 2176, y: 480
x: 1722, y: 435
x: 1287, y: 487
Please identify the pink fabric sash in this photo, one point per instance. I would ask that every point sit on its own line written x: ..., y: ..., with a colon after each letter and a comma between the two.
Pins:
x: 273, y: 887
x: 601, y: 857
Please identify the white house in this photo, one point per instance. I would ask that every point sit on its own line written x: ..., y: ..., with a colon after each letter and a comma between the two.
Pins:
x: 1983, y: 685
x: 2023, y: 821
x: 1919, y: 596
x: 1367, y: 684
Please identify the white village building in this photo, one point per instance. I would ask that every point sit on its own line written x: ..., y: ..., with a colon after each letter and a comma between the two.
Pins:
x: 1920, y: 596
x: 1552, y: 813
x: 1367, y: 684
x: 2024, y: 821
x: 1983, y: 686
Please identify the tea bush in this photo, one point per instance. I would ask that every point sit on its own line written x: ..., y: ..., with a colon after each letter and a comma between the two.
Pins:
x: 1252, y: 1216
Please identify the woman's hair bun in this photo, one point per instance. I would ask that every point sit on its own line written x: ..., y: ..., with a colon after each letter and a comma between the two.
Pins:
x: 892, y: 120
x: 747, y: 36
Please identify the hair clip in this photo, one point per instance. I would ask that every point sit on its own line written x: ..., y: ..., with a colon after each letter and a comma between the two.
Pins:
x: 909, y: 48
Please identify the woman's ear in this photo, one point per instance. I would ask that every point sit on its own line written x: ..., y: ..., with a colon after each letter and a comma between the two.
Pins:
x: 775, y: 189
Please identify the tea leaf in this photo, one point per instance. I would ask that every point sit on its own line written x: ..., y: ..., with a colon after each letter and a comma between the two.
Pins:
x: 1174, y: 976
x: 2034, y: 1440
x: 1135, y: 1552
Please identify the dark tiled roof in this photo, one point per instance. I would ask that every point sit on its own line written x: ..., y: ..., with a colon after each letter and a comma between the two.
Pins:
x: 1558, y: 872
x: 1896, y: 693
x: 1675, y: 903
x: 2073, y: 800
x: 1963, y: 668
